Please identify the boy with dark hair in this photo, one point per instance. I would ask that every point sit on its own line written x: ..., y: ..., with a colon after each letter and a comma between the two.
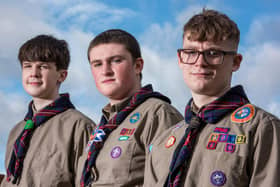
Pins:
x: 44, y: 148
x: 134, y: 116
x: 224, y: 140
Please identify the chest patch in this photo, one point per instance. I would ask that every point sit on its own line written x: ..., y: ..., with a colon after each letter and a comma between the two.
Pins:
x: 116, y: 152
x: 134, y: 118
x: 243, y: 114
x: 229, y: 140
x: 171, y: 140
x: 218, y: 178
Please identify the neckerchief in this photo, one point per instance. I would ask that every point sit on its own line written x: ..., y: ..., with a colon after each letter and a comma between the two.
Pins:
x: 32, y: 122
x: 105, y: 127
x: 211, y: 113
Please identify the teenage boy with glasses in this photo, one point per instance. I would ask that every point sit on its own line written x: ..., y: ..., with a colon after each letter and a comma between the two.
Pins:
x: 224, y: 140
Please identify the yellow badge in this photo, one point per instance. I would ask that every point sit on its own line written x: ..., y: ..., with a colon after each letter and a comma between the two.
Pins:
x: 240, y: 139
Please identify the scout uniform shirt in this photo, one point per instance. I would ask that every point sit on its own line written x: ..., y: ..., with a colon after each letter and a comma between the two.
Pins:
x: 54, y: 150
x: 241, y: 150
x: 121, y: 160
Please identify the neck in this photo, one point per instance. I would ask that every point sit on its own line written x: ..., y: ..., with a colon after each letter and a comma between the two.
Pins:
x: 201, y: 100
x: 40, y: 103
x: 129, y: 94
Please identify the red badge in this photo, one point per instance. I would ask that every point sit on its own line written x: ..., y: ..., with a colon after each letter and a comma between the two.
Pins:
x: 171, y: 140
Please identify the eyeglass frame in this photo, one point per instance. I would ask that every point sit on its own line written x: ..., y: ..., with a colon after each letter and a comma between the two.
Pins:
x: 203, y: 54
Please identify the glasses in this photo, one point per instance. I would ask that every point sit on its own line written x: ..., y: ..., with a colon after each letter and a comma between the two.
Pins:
x: 211, y: 56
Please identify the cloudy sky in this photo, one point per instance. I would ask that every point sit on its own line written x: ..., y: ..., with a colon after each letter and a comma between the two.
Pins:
x: 157, y: 24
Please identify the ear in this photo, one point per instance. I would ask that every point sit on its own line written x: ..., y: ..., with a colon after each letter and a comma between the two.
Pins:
x: 138, y: 65
x: 236, y: 62
x: 62, y: 75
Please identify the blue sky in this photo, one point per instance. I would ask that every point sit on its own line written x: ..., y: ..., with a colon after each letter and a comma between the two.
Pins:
x: 157, y: 24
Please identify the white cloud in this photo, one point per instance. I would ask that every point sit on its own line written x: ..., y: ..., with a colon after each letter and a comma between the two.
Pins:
x: 14, y: 107
x: 166, y: 77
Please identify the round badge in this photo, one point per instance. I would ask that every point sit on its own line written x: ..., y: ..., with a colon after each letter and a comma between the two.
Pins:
x: 243, y: 114
x: 171, y: 140
x: 116, y: 152
x: 134, y: 118
x: 218, y: 178
x: 29, y: 124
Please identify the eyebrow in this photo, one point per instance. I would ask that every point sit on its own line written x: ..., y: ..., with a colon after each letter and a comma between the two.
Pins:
x: 108, y: 58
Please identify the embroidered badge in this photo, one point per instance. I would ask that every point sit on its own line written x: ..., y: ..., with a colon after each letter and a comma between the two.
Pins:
x: 29, y: 124
x: 243, y: 114
x: 123, y: 138
x: 116, y: 152
x: 240, y: 139
x: 218, y: 178
x: 223, y: 137
x: 127, y: 132
x: 98, y: 135
x: 231, y: 138
x: 134, y: 118
x: 214, y: 137
x: 230, y: 147
x: 171, y: 140
x: 150, y: 148
x: 221, y: 130
x: 211, y: 145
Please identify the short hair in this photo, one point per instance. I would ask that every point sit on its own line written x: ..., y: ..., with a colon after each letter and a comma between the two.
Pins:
x: 211, y: 25
x: 45, y: 48
x: 117, y: 36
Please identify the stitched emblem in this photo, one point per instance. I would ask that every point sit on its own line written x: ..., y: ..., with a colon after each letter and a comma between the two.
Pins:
x: 211, y: 145
x: 29, y: 124
x: 150, y: 148
x: 123, y: 138
x: 243, y: 114
x: 240, y: 139
x: 231, y: 138
x: 127, y: 132
x: 230, y: 147
x: 223, y: 137
x: 218, y: 178
x: 134, y: 118
x: 221, y: 130
x: 214, y: 137
x: 171, y: 140
x: 98, y: 135
x: 116, y: 152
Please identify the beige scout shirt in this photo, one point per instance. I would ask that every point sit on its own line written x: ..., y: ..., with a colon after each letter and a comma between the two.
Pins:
x: 229, y: 154
x: 121, y: 161
x: 54, y: 150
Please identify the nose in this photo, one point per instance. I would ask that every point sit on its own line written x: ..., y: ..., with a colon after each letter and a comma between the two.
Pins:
x: 35, y: 71
x: 107, y: 69
x: 200, y: 60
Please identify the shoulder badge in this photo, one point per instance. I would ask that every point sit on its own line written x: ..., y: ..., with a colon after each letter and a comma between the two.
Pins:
x: 243, y: 114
